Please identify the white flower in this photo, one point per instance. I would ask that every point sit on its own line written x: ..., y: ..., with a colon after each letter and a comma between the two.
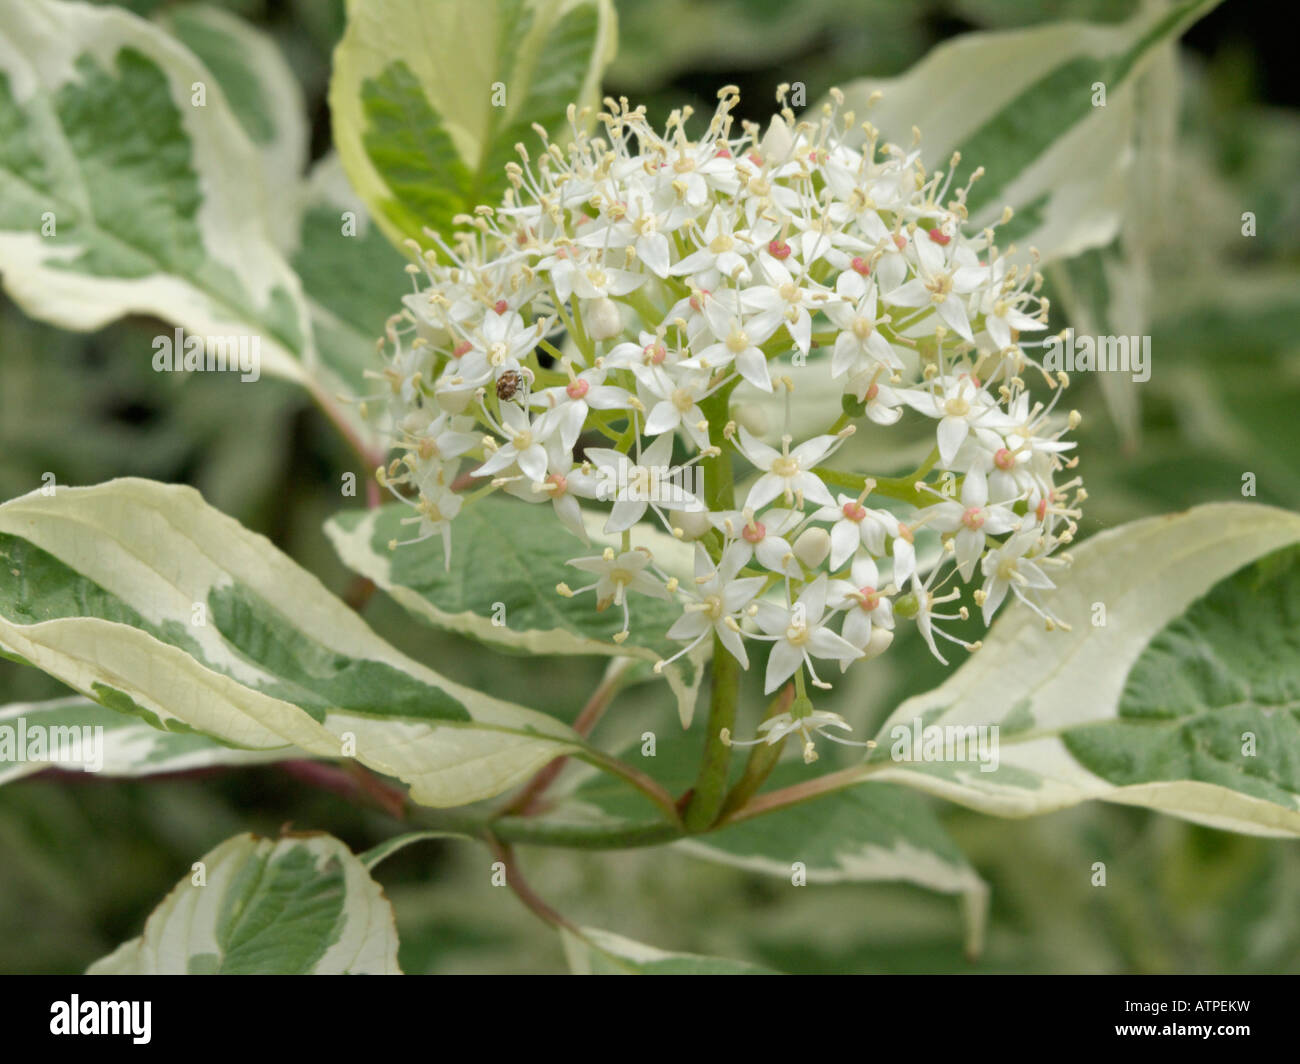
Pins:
x: 800, y: 633
x: 958, y: 402
x: 766, y: 539
x: 881, y: 401
x: 856, y: 526
x: 738, y: 344
x: 1009, y: 569
x: 941, y: 286
x: 782, y: 301
x: 803, y: 720
x: 525, y: 448
x: 575, y: 271
x: 1001, y: 308
x: 867, y: 606
x: 442, y: 437
x: 437, y: 507
x: 719, y: 253
x: 970, y: 521
x: 634, y: 485
x: 702, y: 168
x: 677, y: 403
x: 814, y: 722
x: 585, y: 391
x: 648, y: 350
x: 617, y: 575
x: 716, y: 599
x: 501, y: 343
x: 636, y: 223
x: 563, y: 486
x: 787, y: 473
x: 859, y: 347
x: 920, y: 604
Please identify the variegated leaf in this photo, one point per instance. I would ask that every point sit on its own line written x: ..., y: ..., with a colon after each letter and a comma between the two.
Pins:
x: 77, y: 734
x: 144, y: 598
x: 1048, y: 112
x: 264, y: 94
x: 352, y: 276
x: 594, y: 952
x: 128, y: 186
x: 299, y: 905
x: 509, y: 557
x: 1177, y: 689
x: 429, y: 100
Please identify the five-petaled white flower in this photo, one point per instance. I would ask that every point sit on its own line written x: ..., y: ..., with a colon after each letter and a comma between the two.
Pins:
x: 715, y: 600
x: 787, y: 473
x: 635, y: 485
x: 798, y: 633
x: 618, y: 573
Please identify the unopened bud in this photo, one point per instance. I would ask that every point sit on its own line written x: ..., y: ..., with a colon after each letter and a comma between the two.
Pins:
x: 812, y: 546
x: 880, y: 641
x: 604, y: 320
x: 778, y: 141
x: 693, y: 523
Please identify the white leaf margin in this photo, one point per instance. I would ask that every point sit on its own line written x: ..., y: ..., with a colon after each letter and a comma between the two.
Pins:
x: 1147, y: 573
x: 40, y: 42
x: 160, y: 549
x: 354, y: 548
x: 184, y: 923
x: 127, y: 748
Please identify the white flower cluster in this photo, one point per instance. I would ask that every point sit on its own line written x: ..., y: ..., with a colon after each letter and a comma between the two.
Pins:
x: 581, y: 340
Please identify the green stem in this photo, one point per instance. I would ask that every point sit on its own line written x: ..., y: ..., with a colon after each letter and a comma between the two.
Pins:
x: 902, y: 488
x: 574, y: 331
x: 537, y: 831
x: 551, y: 350
x: 720, y: 487
x: 711, y: 784
x: 580, y: 334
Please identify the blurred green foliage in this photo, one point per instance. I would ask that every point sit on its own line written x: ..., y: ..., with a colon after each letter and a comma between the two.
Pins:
x: 82, y: 861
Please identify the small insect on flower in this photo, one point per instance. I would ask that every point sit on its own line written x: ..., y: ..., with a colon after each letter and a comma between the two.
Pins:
x: 510, y: 384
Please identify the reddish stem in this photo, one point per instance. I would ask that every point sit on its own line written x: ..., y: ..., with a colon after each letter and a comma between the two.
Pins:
x: 353, y: 782
x: 527, y: 804
x: 516, y: 882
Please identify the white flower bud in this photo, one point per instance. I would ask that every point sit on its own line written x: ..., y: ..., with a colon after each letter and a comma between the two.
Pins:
x: 880, y: 640
x: 604, y: 320
x: 812, y: 546
x: 778, y: 142
x: 693, y: 523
